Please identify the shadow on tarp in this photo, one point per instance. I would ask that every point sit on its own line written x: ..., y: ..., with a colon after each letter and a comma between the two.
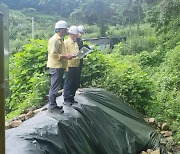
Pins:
x: 99, y: 124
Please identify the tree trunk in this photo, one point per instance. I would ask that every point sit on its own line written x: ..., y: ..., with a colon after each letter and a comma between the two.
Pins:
x: 103, y: 30
x: 139, y: 16
x: 130, y: 32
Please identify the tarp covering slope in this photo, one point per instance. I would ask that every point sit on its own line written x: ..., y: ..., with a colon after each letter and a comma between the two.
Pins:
x: 99, y: 124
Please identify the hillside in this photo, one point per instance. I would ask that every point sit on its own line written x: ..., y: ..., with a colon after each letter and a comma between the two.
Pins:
x: 21, y: 27
x: 144, y: 70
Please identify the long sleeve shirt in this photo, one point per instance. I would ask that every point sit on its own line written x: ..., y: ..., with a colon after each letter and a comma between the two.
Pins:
x: 72, y: 48
x: 56, y: 49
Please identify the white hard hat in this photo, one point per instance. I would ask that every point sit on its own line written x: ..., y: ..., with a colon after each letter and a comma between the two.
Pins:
x: 73, y: 30
x: 81, y: 29
x: 61, y: 24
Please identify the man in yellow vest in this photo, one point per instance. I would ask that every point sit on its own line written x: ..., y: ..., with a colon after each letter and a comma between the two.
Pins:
x: 57, y: 62
x: 71, y: 80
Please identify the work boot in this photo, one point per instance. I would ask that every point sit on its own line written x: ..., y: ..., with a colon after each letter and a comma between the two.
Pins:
x: 67, y: 102
x: 57, y: 109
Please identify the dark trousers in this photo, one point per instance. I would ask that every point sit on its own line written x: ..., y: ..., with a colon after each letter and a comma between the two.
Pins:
x: 71, y: 83
x: 79, y: 73
x: 56, y: 75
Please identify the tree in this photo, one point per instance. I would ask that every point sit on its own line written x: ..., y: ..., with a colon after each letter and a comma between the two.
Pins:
x: 94, y: 11
x: 129, y: 12
x: 61, y: 7
x: 165, y: 18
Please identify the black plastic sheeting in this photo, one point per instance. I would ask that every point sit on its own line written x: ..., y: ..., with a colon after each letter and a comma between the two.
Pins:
x: 99, y: 124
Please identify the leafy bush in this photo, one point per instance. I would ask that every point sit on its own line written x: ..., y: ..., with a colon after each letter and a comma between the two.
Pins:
x: 94, y: 69
x: 28, y: 78
x: 136, y: 44
x: 166, y: 100
x: 120, y: 75
x: 126, y: 79
x: 126, y: 30
x: 151, y: 59
x: 148, y: 81
x: 91, y: 31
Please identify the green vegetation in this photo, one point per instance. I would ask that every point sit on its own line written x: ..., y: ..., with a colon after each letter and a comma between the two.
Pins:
x: 21, y: 27
x: 144, y: 70
x: 121, y: 75
x: 28, y: 79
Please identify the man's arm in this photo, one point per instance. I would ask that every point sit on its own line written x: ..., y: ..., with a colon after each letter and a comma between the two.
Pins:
x: 54, y: 50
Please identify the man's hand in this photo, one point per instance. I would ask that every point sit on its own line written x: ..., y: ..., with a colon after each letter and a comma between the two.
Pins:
x: 69, y: 57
